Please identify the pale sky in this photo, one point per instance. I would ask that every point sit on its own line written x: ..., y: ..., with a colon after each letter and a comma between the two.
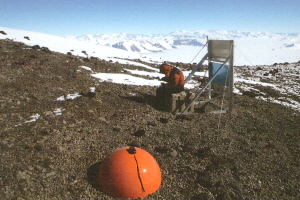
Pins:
x: 78, y: 17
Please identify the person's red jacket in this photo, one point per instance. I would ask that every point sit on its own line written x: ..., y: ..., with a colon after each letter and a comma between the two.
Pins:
x: 173, y: 76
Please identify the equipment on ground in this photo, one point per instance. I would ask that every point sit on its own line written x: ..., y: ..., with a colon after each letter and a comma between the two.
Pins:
x: 129, y: 172
x: 220, y: 65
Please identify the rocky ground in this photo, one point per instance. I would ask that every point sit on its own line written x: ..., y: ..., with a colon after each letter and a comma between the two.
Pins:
x: 51, y: 149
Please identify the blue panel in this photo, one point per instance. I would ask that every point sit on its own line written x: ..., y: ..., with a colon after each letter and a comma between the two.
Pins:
x: 221, y: 77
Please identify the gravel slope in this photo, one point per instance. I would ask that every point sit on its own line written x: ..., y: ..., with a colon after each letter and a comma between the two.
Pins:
x: 252, y: 153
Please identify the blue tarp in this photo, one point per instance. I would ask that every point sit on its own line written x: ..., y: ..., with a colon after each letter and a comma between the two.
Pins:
x: 221, y: 77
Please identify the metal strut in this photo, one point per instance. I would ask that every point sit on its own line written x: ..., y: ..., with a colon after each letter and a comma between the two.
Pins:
x: 196, y: 68
x: 205, y: 86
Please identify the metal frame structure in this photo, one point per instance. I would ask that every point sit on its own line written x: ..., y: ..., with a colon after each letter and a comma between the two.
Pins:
x: 219, y: 51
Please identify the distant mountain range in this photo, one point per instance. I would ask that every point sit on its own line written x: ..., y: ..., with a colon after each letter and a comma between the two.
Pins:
x: 250, y: 48
x: 159, y: 43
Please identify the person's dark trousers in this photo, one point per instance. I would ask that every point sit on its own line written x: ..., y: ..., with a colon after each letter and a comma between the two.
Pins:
x: 164, y: 95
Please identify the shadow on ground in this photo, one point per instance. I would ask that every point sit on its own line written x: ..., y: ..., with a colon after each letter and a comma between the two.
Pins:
x: 92, y: 176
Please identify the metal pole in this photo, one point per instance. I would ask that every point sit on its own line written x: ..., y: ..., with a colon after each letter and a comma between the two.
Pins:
x: 195, y: 69
x: 231, y: 83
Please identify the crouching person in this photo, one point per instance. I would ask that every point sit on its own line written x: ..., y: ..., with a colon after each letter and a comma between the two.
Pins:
x: 174, y: 79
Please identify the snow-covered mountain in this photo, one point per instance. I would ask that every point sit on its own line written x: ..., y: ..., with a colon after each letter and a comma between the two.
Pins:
x: 251, y: 48
x: 160, y: 43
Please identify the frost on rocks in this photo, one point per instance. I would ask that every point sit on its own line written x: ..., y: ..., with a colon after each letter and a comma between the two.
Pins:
x: 93, y: 89
x: 32, y: 119
x: 87, y: 68
x: 58, y: 111
x: 68, y: 97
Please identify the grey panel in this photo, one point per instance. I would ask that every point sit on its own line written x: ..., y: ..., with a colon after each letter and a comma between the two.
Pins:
x: 219, y: 50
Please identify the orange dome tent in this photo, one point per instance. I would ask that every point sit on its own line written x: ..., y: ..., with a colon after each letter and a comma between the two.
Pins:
x: 129, y: 172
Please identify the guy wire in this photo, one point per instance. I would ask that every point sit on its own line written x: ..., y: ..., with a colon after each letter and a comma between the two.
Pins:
x: 199, y: 52
x: 244, y: 56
